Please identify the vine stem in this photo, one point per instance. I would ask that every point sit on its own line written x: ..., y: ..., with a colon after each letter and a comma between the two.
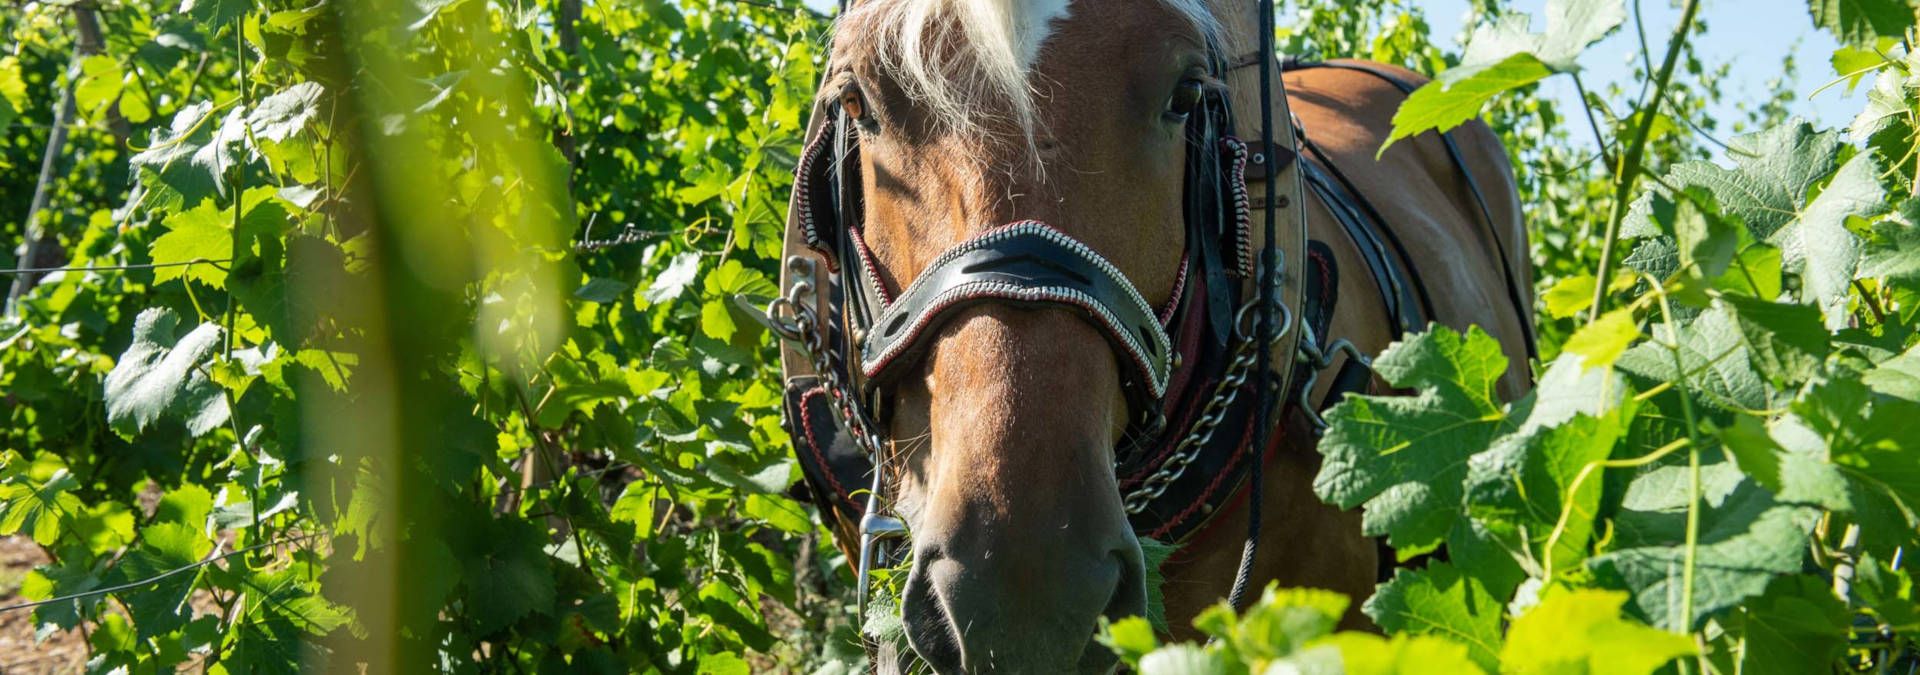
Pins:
x: 1586, y: 105
x: 1693, y: 457
x: 1627, y: 172
x: 1566, y: 510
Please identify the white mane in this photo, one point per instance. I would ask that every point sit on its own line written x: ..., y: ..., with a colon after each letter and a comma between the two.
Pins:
x: 980, y: 67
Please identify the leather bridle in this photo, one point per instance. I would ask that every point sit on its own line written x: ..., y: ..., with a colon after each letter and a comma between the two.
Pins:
x: 1231, y: 307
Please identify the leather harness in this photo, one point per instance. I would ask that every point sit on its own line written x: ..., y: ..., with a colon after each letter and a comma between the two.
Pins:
x: 1185, y: 367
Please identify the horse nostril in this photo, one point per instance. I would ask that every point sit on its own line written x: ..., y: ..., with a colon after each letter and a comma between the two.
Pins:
x: 928, y: 627
x: 1130, y: 594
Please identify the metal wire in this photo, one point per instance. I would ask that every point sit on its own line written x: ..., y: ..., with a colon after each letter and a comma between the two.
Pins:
x: 115, y: 268
x: 155, y: 578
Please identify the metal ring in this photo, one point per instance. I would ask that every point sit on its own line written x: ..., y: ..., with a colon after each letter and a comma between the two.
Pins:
x: 1240, y: 324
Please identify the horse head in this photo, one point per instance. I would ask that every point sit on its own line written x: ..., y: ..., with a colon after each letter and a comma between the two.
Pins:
x: 1067, y: 124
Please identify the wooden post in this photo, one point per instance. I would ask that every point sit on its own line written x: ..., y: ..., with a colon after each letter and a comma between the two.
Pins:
x: 88, y: 44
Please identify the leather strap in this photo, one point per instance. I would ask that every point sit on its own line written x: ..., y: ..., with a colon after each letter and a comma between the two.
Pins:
x: 1025, y: 263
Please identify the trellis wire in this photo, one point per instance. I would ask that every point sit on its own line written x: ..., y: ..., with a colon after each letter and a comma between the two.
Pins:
x: 155, y: 578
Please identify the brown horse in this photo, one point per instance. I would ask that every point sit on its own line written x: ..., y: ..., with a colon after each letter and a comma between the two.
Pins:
x: 1003, y: 429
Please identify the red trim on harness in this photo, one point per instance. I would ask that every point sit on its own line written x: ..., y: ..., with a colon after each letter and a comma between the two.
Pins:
x: 1213, y: 521
x: 1239, y: 451
x: 872, y: 271
x: 806, y: 425
x: 1173, y: 300
x: 1187, y: 345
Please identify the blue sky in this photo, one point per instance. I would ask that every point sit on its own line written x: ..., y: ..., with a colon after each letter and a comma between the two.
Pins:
x: 1752, y: 35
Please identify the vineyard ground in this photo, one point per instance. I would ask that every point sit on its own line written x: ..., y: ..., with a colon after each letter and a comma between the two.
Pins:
x: 64, y: 652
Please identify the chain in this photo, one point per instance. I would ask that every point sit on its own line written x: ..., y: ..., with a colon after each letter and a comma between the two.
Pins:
x: 1197, y: 435
x: 1215, y: 411
x: 804, y: 327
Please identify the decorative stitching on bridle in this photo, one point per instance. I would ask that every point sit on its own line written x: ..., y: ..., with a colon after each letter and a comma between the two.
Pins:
x: 1173, y: 301
x: 803, y: 186
x: 1156, y: 374
x: 870, y: 272
x: 1241, y: 204
x: 813, y: 442
x: 1156, y: 381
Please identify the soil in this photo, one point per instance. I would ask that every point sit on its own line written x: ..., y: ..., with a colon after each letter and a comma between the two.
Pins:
x: 20, y: 652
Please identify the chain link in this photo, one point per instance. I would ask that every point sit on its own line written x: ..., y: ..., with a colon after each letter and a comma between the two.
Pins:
x: 1213, y: 413
x: 806, y: 322
x: 1197, y: 436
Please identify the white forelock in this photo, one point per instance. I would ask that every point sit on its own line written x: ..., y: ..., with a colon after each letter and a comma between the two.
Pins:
x: 982, y: 69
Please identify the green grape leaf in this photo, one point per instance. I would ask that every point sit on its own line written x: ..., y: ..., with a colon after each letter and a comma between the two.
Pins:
x: 1894, y: 254
x: 1405, y: 457
x: 1888, y: 591
x: 1714, y: 359
x: 1156, y: 554
x: 1131, y: 638
x: 1525, y: 480
x: 1898, y: 376
x: 168, y: 179
x: 39, y: 509
x: 1459, y: 94
x: 101, y: 78
x: 286, y: 112
x: 216, y: 157
x: 1821, y: 248
x: 1861, y: 21
x: 673, y: 280
x: 1281, y: 623
x: 1773, y: 171
x: 286, y: 597
x: 158, y: 374
x: 635, y: 506
x: 161, y: 607
x: 201, y: 233
x: 1755, y: 272
x: 189, y: 505
x: 1600, y: 343
x: 1441, y: 600
x: 1797, y: 626
x: 1364, y: 654
x: 601, y: 290
x: 1851, y: 451
x: 1569, y: 296
x: 1503, y: 56
x: 1746, y: 538
x: 1785, y: 342
x: 1187, y: 660
x: 13, y: 91
x: 506, y: 573
x: 59, y: 579
x: 1581, y: 631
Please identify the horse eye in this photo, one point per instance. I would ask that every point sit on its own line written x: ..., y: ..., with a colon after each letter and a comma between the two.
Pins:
x: 853, y: 104
x: 1186, y: 98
